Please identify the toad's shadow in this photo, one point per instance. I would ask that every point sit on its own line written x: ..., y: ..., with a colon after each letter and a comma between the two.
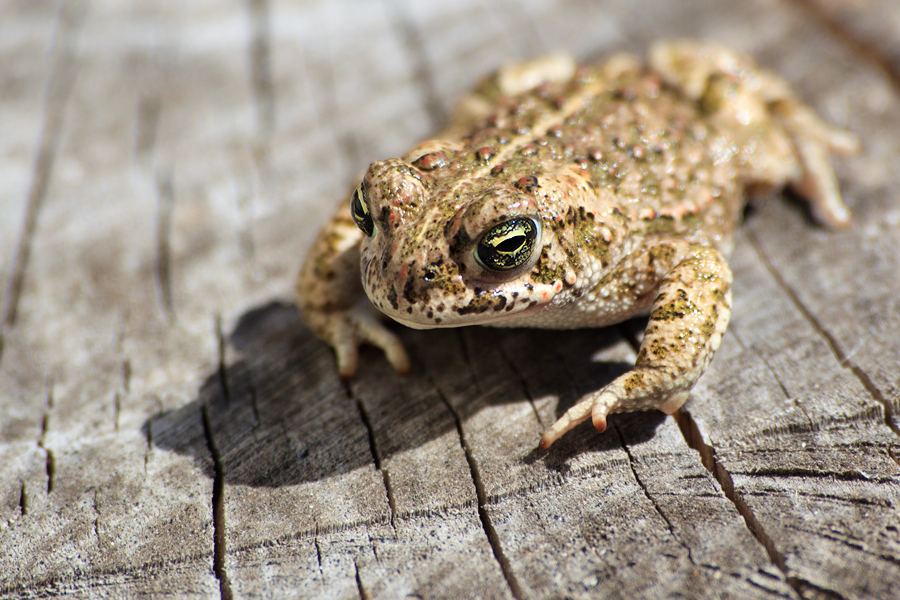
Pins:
x: 277, y: 414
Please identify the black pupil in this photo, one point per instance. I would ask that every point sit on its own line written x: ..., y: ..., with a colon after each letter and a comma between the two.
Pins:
x: 512, y: 244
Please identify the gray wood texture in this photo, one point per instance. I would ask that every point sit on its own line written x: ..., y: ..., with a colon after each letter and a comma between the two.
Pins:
x: 168, y: 426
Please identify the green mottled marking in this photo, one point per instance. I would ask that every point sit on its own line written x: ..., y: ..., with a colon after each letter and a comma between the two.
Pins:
x: 483, y: 303
x: 660, y: 224
x: 662, y: 253
x: 586, y: 235
x: 544, y: 273
x: 658, y: 348
x: 676, y: 309
x: 635, y: 381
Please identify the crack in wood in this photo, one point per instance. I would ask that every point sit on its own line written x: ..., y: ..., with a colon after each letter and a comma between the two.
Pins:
x: 858, y: 546
x: 96, y: 518
x: 691, y: 433
x: 652, y: 500
x: 218, y: 506
x: 851, y: 475
x: 467, y: 358
x: 865, y: 417
x: 481, y: 496
x: 56, y: 94
x: 149, y: 447
x: 23, y: 500
x: 218, y: 488
x: 893, y: 456
x: 126, y: 375
x: 146, y: 125
x: 524, y: 384
x: 49, y: 459
x: 422, y: 73
x: 165, y: 202
x: 318, y: 551
x: 262, y: 86
x: 325, y: 105
x: 373, y: 449
x: 117, y: 409
x: 843, y: 359
x: 222, y: 367
x: 363, y: 593
x: 842, y: 499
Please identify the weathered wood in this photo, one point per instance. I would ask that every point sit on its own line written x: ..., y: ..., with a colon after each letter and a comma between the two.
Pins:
x: 169, y: 425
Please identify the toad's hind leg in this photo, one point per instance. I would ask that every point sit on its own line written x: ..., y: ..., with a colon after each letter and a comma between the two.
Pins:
x: 687, y: 321
x: 784, y: 142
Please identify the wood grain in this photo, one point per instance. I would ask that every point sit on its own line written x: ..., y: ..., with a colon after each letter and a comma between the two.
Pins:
x: 168, y: 425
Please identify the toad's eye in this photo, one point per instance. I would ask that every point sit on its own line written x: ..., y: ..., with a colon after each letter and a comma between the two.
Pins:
x: 507, y: 245
x: 360, y: 211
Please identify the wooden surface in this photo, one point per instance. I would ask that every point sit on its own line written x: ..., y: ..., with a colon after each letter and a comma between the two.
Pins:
x: 169, y: 427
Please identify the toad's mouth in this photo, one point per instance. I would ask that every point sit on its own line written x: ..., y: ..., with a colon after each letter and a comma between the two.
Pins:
x: 504, y: 319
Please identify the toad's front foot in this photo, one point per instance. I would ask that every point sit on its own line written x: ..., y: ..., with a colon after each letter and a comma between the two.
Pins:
x: 633, y: 391
x: 346, y: 330
x: 686, y: 324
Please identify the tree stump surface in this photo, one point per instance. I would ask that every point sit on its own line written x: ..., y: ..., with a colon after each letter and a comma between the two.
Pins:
x: 169, y: 426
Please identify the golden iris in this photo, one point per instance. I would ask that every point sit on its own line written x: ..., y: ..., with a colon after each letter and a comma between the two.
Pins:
x: 508, y: 245
x: 360, y: 211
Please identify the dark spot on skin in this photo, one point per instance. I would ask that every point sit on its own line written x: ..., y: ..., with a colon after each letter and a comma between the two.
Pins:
x: 430, y: 314
x: 515, y: 294
x: 409, y: 310
x: 411, y: 293
x: 529, y: 287
x: 527, y: 184
x: 392, y: 297
x: 532, y: 303
x: 384, y: 218
x: 440, y: 308
x: 437, y: 321
x: 658, y: 348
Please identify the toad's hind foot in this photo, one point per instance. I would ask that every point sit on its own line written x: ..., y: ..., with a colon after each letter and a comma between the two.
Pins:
x: 786, y: 143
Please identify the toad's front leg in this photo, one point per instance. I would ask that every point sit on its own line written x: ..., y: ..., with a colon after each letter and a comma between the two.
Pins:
x: 688, y: 318
x: 331, y: 298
